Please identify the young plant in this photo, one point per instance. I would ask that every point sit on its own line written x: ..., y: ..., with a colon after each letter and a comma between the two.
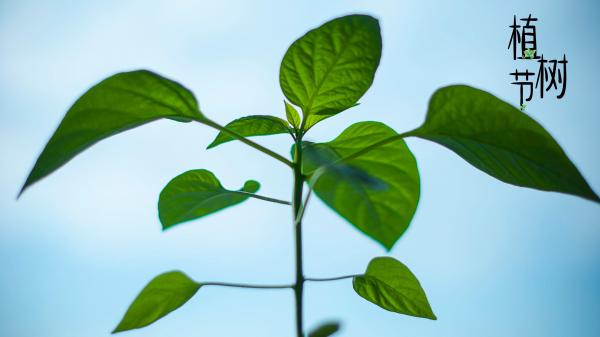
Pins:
x: 367, y: 174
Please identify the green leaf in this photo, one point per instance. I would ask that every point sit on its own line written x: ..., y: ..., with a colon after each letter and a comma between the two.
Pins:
x: 118, y: 103
x: 162, y: 295
x: 391, y: 285
x: 378, y: 191
x: 328, y: 69
x: 325, y: 330
x: 292, y: 115
x: 500, y: 140
x: 197, y: 193
x: 252, y: 126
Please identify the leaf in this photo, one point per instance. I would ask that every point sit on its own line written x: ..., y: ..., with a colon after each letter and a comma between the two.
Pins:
x: 328, y: 161
x: 292, y: 115
x: 118, y: 103
x: 197, y: 193
x: 328, y: 69
x: 500, y: 140
x: 376, y: 192
x: 164, y: 294
x: 325, y: 330
x: 392, y: 286
x: 252, y: 126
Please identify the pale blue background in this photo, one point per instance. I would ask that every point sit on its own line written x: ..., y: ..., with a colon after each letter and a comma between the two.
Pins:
x: 495, y: 260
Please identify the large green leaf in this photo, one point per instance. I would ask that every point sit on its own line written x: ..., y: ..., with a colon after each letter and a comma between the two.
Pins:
x: 164, y: 294
x: 391, y: 285
x: 329, y: 68
x: 197, y: 193
x: 377, y: 191
x: 252, y: 126
x: 325, y: 330
x: 500, y: 140
x: 118, y: 103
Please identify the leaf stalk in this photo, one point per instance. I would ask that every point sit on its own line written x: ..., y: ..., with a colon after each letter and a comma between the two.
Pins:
x: 327, y: 279
x: 245, y: 140
x: 249, y: 286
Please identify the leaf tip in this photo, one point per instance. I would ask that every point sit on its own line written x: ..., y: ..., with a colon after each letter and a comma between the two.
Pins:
x: 594, y: 196
x: 119, y: 328
x: 430, y: 315
x: 251, y: 186
x: 25, y: 186
x: 387, y: 246
x: 164, y: 225
x: 20, y: 192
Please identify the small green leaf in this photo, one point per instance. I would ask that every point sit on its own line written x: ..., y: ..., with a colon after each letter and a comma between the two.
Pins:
x: 252, y: 126
x: 292, y: 115
x: 376, y: 192
x: 325, y: 330
x: 119, y: 103
x: 523, y: 107
x: 391, y: 285
x: 529, y: 53
x: 197, y: 193
x: 500, y: 140
x: 164, y: 294
x: 329, y: 69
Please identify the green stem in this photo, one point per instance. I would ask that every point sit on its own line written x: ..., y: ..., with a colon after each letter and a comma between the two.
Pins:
x: 251, y: 286
x: 300, y: 214
x: 297, y: 207
x: 326, y: 279
x: 261, y: 197
x: 245, y: 140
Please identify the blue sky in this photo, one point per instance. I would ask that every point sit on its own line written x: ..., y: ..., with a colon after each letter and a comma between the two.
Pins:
x: 494, y: 259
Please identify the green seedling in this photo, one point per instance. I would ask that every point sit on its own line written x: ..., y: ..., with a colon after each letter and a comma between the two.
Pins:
x: 367, y: 174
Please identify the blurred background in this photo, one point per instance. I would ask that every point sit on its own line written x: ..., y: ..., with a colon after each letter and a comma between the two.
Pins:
x: 494, y: 259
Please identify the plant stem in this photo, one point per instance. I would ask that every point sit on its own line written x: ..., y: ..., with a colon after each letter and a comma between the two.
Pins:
x: 251, y: 286
x: 297, y: 206
x: 262, y: 197
x: 245, y: 140
x: 300, y: 214
x: 326, y: 279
